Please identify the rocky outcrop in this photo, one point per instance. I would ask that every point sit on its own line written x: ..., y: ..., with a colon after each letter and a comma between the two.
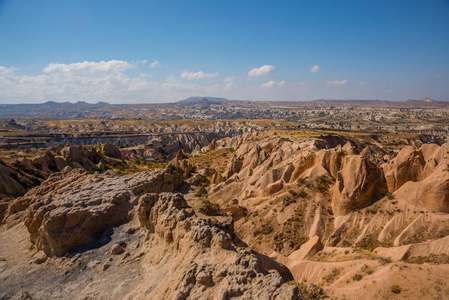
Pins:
x: 8, y: 185
x: 70, y: 210
x: 234, y: 166
x: 217, y: 178
x: 207, y: 264
x: 413, y: 164
x: 431, y: 193
x: 358, y: 184
x: 110, y: 150
x: 421, y: 176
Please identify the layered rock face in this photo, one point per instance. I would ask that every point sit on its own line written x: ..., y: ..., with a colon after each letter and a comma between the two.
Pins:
x: 421, y: 176
x: 293, y: 191
x: 70, y: 211
x: 263, y: 168
x: 359, y: 182
x: 8, y: 185
x: 31, y: 167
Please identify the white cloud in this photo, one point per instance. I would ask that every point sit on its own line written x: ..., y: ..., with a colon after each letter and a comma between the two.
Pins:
x: 336, y: 83
x: 303, y: 84
x: 362, y: 83
x: 197, y: 75
x: 315, y: 68
x: 272, y: 83
x: 6, y: 71
x: 268, y: 84
x: 40, y: 79
x: 154, y: 64
x: 89, y: 67
x: 229, y: 79
x: 262, y: 71
x: 229, y: 85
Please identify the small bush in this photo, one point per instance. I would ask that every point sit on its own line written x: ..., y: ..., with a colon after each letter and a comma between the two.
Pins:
x: 200, y: 192
x: 231, y: 149
x: 264, y: 229
x: 396, y: 289
x: 287, y: 200
x: 342, y: 152
x: 310, y: 292
x: 323, y: 182
x: 332, y: 276
x: 357, y: 277
x: 302, y: 194
x: 211, y: 208
x: 389, y: 196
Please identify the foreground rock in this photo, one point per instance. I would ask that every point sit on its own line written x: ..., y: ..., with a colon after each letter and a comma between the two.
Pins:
x: 70, y: 210
x: 204, y: 255
x: 165, y: 250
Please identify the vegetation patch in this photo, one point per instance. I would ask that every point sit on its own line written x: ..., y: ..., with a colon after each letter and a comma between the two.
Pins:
x: 310, y: 292
x: 210, y: 208
x: 332, y: 276
x: 435, y: 259
x: 265, y: 229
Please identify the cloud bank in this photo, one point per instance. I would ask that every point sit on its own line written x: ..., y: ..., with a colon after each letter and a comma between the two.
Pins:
x: 89, y: 67
x: 197, y: 75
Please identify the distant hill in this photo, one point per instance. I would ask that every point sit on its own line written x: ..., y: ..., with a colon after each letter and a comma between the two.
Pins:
x: 197, y: 99
x: 421, y: 103
x: 49, y: 109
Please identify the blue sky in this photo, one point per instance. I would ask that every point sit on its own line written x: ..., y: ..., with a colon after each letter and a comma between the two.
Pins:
x: 162, y: 51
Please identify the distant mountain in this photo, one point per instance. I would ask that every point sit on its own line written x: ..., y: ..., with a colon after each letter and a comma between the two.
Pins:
x: 49, y: 109
x: 197, y: 99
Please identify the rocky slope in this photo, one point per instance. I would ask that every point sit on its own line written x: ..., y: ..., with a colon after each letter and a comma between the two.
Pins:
x: 29, y: 168
x: 264, y: 216
x: 86, y: 231
x: 302, y: 201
